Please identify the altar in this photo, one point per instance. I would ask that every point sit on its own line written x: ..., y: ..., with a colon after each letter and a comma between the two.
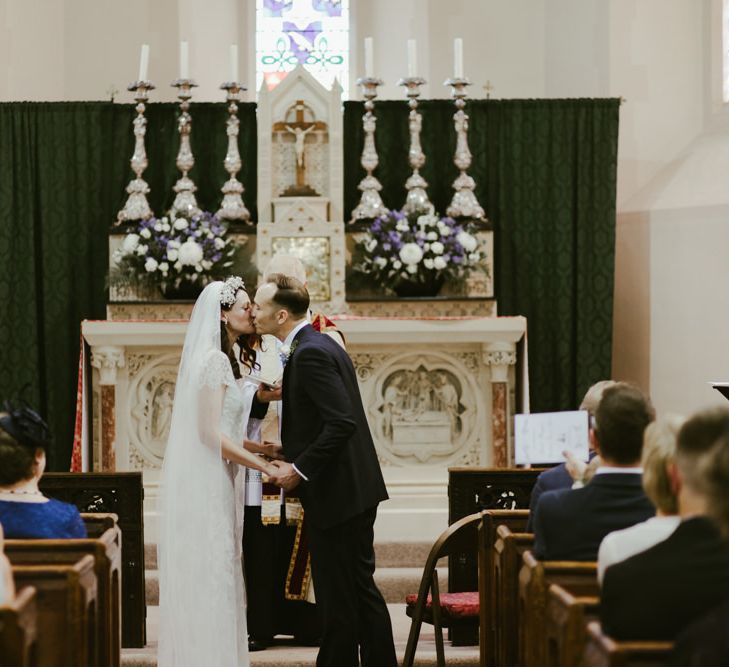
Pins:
x: 438, y: 393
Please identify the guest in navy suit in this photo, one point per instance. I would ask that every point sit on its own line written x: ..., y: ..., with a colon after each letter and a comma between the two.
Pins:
x: 24, y: 511
x: 334, y: 466
x: 569, y: 524
x: 659, y: 592
x: 563, y: 476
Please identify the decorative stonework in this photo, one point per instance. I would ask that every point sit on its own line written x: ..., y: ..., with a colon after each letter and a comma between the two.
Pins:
x: 107, y: 359
x: 150, y: 394
x: 415, y: 308
x: 500, y: 358
x: 158, y: 311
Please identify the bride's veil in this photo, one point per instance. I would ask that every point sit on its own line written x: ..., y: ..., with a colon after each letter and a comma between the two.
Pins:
x: 196, y: 550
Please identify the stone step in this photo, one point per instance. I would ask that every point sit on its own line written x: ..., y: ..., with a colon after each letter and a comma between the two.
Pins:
x: 284, y: 654
x: 387, y: 554
x: 394, y: 582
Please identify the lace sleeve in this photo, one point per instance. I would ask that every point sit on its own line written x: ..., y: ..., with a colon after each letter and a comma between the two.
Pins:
x: 216, y: 371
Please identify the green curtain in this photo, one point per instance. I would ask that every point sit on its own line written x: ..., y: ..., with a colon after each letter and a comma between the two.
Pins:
x: 546, y: 175
x: 63, y: 170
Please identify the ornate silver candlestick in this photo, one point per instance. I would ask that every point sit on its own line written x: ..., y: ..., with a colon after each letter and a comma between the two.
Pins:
x: 232, y: 206
x: 464, y: 203
x: 137, y: 207
x: 417, y: 198
x: 370, y: 203
x: 185, y: 201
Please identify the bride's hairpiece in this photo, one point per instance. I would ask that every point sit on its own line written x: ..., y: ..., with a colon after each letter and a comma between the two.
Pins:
x: 230, y: 289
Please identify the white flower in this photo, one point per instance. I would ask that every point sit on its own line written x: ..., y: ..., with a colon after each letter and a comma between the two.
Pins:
x: 150, y: 265
x: 164, y: 267
x: 165, y: 227
x: 219, y: 243
x: 428, y: 263
x: 145, y: 233
x: 157, y: 226
x: 174, y: 244
x: 397, y: 264
x: 426, y: 247
x: 381, y: 262
x: 371, y: 245
x: 474, y: 257
x: 206, y: 264
x: 468, y: 242
x: 432, y: 236
x: 180, y: 223
x: 411, y: 268
x: 427, y: 220
x: 172, y: 254
x: 178, y: 265
x: 131, y: 241
x: 411, y: 254
x: 165, y: 219
x: 198, y: 268
x: 190, y: 253
x: 437, y: 247
x: 444, y: 229
x: 402, y: 226
x: 141, y: 250
x: 439, y: 263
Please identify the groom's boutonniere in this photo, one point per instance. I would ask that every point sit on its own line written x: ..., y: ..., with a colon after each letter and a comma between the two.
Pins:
x: 285, y: 352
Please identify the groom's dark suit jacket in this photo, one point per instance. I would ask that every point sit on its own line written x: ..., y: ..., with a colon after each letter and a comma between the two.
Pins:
x: 324, y: 432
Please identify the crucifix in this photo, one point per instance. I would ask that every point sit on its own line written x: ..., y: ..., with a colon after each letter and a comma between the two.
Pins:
x: 299, y: 128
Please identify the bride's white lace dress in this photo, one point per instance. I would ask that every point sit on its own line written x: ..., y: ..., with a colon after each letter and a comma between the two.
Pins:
x: 202, y: 597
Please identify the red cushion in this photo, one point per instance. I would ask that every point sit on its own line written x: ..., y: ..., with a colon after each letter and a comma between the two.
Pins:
x: 455, y: 605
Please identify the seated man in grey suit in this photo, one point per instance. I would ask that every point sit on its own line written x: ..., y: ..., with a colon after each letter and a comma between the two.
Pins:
x: 569, y: 524
x: 657, y: 593
x: 560, y: 477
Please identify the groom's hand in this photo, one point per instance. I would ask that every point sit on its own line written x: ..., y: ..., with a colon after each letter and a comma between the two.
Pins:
x: 287, y: 478
x: 266, y: 394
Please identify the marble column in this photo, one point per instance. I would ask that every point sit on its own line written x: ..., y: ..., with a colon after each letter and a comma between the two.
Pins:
x: 498, y: 357
x: 108, y: 359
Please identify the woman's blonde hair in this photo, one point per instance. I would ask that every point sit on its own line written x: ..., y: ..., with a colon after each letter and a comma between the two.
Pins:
x: 659, y: 450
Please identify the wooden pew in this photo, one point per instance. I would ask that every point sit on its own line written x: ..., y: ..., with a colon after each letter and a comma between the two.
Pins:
x: 18, y: 631
x: 603, y: 651
x: 534, y: 579
x: 514, y: 520
x: 121, y: 493
x: 66, y: 599
x: 567, y: 617
x: 504, y: 626
x: 104, y: 544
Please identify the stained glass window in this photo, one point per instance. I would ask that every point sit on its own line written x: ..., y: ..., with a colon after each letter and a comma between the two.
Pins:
x: 313, y: 33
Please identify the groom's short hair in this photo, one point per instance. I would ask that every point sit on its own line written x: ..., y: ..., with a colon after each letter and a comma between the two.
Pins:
x: 290, y: 294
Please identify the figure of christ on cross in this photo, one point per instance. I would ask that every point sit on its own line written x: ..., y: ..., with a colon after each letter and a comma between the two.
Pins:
x: 300, y: 127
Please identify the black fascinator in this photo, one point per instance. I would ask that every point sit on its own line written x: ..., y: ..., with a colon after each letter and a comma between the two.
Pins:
x: 26, y: 426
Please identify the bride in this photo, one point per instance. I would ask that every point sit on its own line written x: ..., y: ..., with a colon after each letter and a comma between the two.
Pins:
x: 202, y: 598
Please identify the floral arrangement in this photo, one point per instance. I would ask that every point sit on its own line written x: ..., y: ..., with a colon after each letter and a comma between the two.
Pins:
x: 177, y: 253
x: 416, y: 253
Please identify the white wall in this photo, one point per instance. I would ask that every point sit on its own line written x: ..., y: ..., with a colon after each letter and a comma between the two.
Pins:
x: 663, y: 56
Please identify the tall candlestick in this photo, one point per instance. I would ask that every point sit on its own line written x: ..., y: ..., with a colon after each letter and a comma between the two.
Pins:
x: 457, y: 58
x: 184, y: 61
x: 143, y: 63
x: 369, y: 58
x: 234, y: 63
x: 412, y: 58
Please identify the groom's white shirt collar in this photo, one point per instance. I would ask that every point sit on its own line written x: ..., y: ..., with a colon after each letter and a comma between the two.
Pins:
x: 292, y: 334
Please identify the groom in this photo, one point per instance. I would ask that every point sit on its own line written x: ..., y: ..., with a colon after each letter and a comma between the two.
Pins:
x: 334, y: 466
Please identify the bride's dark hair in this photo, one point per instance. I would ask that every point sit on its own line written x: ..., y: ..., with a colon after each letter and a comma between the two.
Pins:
x: 247, y: 344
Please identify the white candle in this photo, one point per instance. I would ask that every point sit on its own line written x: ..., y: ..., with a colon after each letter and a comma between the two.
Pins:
x: 184, y: 61
x: 143, y: 63
x: 412, y: 58
x: 458, y: 58
x: 369, y: 58
x: 234, y: 63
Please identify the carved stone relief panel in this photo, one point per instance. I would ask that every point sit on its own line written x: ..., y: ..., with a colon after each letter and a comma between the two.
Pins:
x: 151, y: 395
x: 424, y: 408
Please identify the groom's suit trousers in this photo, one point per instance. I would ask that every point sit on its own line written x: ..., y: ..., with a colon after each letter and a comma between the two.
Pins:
x: 352, y: 608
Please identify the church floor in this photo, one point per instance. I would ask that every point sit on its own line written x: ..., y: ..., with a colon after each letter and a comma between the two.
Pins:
x: 283, y: 654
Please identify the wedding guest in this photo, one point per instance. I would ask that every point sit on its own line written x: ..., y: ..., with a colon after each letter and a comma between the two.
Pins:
x: 569, y: 524
x: 571, y: 472
x: 25, y: 512
x: 7, y: 586
x: 658, y: 592
x: 659, y: 449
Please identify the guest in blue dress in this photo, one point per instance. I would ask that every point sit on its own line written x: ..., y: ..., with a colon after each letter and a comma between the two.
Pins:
x: 24, y: 511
